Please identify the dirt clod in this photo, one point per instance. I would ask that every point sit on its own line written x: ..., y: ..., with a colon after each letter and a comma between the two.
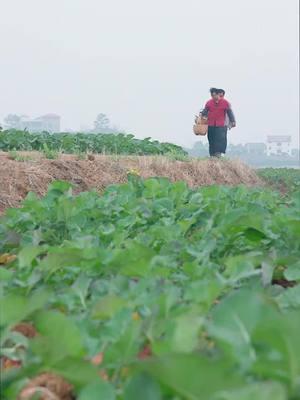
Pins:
x: 26, y: 329
x: 47, y: 386
x: 284, y: 283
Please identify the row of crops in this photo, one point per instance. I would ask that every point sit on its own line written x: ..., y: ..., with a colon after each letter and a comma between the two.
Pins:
x: 152, y: 291
x: 284, y: 179
x: 85, y: 142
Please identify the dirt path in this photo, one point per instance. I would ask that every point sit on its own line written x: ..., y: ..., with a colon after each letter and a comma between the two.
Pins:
x: 17, y: 178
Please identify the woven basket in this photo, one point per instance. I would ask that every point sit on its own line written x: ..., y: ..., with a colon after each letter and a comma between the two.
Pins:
x: 200, y: 128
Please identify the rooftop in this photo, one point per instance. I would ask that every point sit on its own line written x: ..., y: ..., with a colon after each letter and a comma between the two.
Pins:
x: 279, y: 138
x: 255, y: 145
x: 26, y: 118
x: 50, y: 115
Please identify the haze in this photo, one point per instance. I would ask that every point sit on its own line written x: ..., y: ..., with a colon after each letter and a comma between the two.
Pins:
x: 149, y: 64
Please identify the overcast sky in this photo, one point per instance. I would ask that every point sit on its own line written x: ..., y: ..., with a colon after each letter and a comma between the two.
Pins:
x: 149, y: 64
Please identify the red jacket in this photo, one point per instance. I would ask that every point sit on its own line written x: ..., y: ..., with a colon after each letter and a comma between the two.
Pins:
x: 216, y: 112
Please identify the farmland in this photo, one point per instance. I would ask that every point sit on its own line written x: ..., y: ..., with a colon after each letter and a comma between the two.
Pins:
x: 284, y: 179
x: 153, y: 277
x: 152, y: 290
x: 71, y: 143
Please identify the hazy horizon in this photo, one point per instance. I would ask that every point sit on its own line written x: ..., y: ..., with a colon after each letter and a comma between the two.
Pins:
x: 149, y: 66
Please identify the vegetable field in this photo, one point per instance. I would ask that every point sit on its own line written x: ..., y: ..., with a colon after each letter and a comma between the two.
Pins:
x: 151, y: 291
x: 284, y: 179
x: 85, y: 142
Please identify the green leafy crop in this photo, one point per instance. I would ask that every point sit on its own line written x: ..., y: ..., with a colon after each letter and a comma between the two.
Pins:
x: 70, y: 143
x: 175, y: 291
x: 284, y: 179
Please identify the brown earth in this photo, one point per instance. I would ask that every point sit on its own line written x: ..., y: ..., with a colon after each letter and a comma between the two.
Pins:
x: 17, y: 178
x: 47, y: 386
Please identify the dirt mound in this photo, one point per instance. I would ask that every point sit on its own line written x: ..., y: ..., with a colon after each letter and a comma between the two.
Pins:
x: 47, y: 386
x: 17, y: 178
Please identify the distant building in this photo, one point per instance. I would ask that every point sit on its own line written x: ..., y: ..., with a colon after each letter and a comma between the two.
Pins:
x: 48, y: 122
x: 295, y: 153
x: 279, y: 145
x: 256, y: 148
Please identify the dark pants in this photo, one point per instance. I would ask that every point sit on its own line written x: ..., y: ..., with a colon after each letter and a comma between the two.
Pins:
x: 217, y: 139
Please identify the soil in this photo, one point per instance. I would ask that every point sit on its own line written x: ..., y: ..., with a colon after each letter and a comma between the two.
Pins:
x: 284, y: 283
x: 26, y: 329
x: 18, y: 178
x: 47, y: 386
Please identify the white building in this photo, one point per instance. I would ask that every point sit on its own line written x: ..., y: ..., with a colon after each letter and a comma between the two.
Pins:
x: 48, y: 122
x: 279, y: 145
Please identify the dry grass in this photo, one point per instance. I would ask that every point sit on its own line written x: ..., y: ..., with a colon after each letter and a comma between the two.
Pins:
x: 18, y: 178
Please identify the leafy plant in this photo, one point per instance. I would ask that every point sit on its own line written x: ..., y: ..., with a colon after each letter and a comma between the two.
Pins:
x: 154, y: 290
x: 284, y: 179
x: 14, y: 155
x: 85, y: 143
x: 48, y: 153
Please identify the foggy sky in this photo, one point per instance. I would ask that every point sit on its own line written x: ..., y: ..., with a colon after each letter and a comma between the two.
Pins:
x: 149, y: 64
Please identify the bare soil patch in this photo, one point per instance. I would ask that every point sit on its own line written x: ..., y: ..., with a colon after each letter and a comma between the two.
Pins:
x: 18, y: 178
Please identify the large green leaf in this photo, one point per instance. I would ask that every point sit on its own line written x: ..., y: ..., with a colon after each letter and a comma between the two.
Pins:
x: 97, y: 391
x: 124, y: 350
x: 242, y: 266
x: 186, y: 333
x: 134, y: 261
x: 292, y: 272
x: 192, y: 376
x: 13, y: 309
x: 142, y: 386
x: 16, y: 308
x: 28, y: 254
x: 290, y: 298
x: 233, y: 322
x: 78, y: 371
x: 277, y: 339
x: 108, y: 306
x: 256, y: 391
x: 59, y: 337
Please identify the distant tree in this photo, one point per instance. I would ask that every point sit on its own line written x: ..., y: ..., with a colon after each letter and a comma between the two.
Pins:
x: 102, y: 124
x: 236, y: 150
x: 199, y: 150
x: 12, y: 121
